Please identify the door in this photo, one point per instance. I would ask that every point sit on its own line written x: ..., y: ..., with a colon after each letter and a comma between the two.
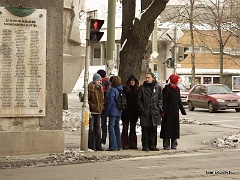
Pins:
x: 202, y: 99
x: 194, y: 96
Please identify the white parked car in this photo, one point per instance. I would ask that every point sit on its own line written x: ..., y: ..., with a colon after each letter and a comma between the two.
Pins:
x: 81, y: 93
x: 183, y: 91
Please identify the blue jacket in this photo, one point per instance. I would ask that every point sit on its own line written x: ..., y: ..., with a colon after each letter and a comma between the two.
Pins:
x: 111, y: 107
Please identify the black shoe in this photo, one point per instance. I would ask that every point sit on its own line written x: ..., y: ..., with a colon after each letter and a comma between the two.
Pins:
x: 133, y: 148
x: 109, y: 150
x: 166, y: 144
x: 174, y: 144
x: 153, y: 149
x: 99, y: 149
x: 103, y: 142
x: 166, y: 148
x: 145, y: 149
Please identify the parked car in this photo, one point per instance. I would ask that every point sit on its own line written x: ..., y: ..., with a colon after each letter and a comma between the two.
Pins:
x: 183, y: 92
x: 238, y: 93
x: 81, y: 93
x: 213, y: 97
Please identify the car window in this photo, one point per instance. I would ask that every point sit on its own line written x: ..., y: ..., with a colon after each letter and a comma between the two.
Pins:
x: 219, y: 90
x: 196, y: 90
x: 182, y: 87
x: 203, y: 90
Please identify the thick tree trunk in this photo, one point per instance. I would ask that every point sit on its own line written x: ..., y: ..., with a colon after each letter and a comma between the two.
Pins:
x: 135, y: 35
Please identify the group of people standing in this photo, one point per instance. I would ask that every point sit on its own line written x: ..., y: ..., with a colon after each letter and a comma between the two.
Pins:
x: 155, y: 106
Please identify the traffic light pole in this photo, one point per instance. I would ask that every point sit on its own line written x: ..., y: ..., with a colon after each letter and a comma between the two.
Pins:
x: 85, y: 106
x: 176, y: 50
x: 154, y: 47
x: 110, y: 35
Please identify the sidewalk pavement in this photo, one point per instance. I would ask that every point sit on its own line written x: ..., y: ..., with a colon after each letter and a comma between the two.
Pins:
x: 193, y: 138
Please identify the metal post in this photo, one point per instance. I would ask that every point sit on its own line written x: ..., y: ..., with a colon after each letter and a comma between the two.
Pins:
x: 111, y: 35
x: 176, y: 50
x: 102, y: 54
x: 85, y: 106
x: 154, y: 46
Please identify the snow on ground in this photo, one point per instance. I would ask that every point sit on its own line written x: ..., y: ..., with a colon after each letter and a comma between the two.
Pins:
x: 72, y: 125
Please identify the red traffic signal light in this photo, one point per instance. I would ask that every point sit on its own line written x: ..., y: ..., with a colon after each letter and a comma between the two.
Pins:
x: 95, y: 26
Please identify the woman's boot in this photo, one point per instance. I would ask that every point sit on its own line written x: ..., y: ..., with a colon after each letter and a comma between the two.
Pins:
x: 174, y: 144
x: 166, y: 144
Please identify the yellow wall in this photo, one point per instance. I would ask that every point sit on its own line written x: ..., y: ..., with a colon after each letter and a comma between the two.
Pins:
x: 208, y: 60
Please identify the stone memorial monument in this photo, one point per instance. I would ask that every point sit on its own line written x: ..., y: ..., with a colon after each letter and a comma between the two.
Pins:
x: 31, y: 76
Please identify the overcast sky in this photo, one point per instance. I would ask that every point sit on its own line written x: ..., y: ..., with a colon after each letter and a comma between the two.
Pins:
x: 102, y: 6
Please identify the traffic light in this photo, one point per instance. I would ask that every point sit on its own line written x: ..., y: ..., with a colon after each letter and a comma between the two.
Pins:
x: 169, y: 63
x: 155, y: 66
x: 181, y: 51
x: 95, y: 26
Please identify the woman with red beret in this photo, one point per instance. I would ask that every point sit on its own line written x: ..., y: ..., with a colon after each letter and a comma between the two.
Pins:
x: 170, y: 128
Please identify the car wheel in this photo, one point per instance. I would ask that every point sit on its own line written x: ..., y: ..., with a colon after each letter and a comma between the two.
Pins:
x: 210, y: 107
x: 237, y: 110
x: 190, y: 106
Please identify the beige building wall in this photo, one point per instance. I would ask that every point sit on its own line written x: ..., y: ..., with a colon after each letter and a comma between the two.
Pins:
x: 73, y: 50
x: 206, y: 60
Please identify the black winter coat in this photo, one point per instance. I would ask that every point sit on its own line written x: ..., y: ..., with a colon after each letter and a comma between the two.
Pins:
x: 150, y: 105
x: 131, y: 112
x: 170, y: 128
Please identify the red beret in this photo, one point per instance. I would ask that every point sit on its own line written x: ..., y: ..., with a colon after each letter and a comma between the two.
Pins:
x: 174, y: 78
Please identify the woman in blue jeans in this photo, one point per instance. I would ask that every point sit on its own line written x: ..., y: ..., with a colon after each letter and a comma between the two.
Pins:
x: 113, y: 113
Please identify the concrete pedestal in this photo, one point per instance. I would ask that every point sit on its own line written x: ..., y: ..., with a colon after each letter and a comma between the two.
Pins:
x: 31, y: 142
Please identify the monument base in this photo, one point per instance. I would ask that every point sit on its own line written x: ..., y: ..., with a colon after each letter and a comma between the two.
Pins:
x: 31, y: 142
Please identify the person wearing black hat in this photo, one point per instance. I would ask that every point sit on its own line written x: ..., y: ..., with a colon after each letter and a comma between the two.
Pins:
x: 130, y: 115
x: 105, y: 84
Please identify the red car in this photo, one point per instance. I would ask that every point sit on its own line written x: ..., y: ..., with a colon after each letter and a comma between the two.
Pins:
x: 213, y: 97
